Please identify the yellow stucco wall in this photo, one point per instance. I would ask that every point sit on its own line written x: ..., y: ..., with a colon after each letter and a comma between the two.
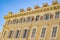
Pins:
x: 35, y: 24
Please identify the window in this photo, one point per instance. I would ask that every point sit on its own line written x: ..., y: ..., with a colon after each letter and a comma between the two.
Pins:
x: 46, y: 16
x: 28, y: 19
x: 25, y: 34
x: 24, y: 19
x: 54, y: 31
x: 14, y: 21
x: 33, y: 33
x: 4, y: 34
x: 57, y: 14
x: 41, y: 17
x: 43, y: 32
x: 32, y: 18
x: 37, y: 18
x: 20, y: 20
x: 51, y: 16
x: 10, y: 34
x: 17, y: 33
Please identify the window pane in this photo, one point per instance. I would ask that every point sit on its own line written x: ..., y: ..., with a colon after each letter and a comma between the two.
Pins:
x: 28, y: 19
x: 54, y: 32
x: 46, y: 16
x: 25, y: 34
x: 32, y: 18
x: 17, y: 33
x: 33, y: 33
x: 43, y: 32
x: 20, y: 20
x: 10, y: 35
x: 57, y: 15
x: 37, y: 18
x: 51, y: 16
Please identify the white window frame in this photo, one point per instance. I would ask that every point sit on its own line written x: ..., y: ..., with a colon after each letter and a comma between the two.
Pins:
x: 32, y: 31
x: 23, y: 32
x: 52, y: 30
x: 41, y: 31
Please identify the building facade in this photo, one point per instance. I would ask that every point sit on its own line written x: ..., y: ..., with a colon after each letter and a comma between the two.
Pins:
x: 42, y: 23
x: 0, y: 35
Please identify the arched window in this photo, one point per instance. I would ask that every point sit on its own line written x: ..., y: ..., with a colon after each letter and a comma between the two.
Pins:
x: 37, y: 18
x: 46, y: 16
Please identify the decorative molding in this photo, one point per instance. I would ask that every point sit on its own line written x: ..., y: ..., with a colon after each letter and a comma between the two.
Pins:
x: 37, y: 9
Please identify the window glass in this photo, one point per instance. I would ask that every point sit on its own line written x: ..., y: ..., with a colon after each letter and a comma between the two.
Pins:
x: 25, y: 33
x: 17, y: 33
x: 37, y: 18
x: 54, y: 32
x: 33, y: 33
x: 41, y: 18
x: 57, y: 14
x: 28, y: 19
x: 20, y: 20
x: 51, y: 16
x: 43, y: 32
x: 24, y: 19
x: 10, y: 34
x: 32, y: 18
x: 46, y: 16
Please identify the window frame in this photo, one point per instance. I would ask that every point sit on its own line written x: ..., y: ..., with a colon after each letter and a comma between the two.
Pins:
x: 52, y: 30
x: 10, y: 35
x: 45, y: 32
x: 23, y: 33
x: 58, y: 14
x: 17, y: 35
x: 32, y: 31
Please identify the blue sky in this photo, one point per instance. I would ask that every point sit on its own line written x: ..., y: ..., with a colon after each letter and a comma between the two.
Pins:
x: 15, y: 6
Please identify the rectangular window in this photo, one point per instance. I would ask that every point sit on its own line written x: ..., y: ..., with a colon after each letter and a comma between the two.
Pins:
x: 32, y: 18
x: 24, y: 19
x: 20, y: 20
x: 51, y: 16
x: 43, y: 32
x: 33, y: 33
x: 28, y: 19
x: 17, y: 33
x: 57, y: 14
x: 10, y: 34
x: 54, y: 31
x: 25, y: 34
x: 37, y: 18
